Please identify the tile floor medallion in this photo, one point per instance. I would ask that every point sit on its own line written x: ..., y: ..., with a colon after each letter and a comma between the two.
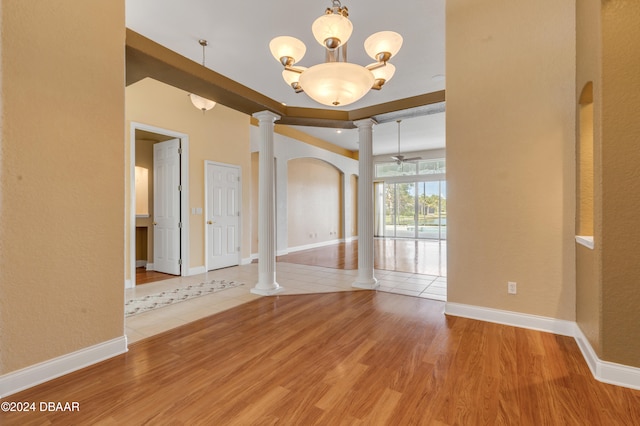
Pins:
x: 165, y: 298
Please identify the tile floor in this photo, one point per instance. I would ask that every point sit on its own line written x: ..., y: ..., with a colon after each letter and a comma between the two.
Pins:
x: 294, y: 278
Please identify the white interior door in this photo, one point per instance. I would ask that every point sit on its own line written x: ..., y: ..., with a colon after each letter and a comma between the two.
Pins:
x: 222, y: 215
x: 166, y: 207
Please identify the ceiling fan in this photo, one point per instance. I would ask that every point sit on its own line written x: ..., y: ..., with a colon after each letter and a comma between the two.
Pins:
x: 399, y: 159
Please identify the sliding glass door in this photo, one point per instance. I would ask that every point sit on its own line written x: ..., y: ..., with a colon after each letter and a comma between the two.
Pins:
x: 412, y: 209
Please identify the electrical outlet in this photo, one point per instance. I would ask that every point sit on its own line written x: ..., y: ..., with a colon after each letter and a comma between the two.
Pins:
x: 512, y: 287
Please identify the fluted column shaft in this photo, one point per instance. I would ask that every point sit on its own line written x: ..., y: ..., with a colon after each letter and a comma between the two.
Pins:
x: 365, y: 278
x: 266, y: 284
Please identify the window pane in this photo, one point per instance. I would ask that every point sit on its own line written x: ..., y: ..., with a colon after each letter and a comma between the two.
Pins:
x: 387, y: 169
x: 430, y: 167
x: 405, y: 205
x: 389, y: 210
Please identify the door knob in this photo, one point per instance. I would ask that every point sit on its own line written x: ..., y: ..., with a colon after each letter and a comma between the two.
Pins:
x: 209, y: 222
x: 155, y: 223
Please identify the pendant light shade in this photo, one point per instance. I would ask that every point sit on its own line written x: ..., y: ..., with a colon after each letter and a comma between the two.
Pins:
x: 201, y: 103
x: 336, y: 83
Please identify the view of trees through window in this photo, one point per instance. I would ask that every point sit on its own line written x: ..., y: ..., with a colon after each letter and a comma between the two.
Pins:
x: 415, y: 210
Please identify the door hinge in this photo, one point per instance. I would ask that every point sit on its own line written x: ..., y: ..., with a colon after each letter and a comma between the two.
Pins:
x: 179, y: 187
x: 238, y: 249
x: 180, y: 150
x: 180, y: 262
x: 238, y: 177
x: 180, y: 225
x: 238, y: 214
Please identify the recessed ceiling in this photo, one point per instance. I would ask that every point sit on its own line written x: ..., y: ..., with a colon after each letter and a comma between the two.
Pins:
x: 239, y: 32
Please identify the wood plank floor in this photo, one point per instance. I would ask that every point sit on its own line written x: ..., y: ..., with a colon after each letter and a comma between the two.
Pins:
x: 403, y: 255
x: 352, y: 358
x: 145, y: 277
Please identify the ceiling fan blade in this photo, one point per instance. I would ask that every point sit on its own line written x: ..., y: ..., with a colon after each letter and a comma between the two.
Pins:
x: 413, y: 159
x: 398, y: 158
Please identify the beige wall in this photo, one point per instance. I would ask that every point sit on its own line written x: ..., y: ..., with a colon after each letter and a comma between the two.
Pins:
x: 510, y: 154
x: 255, y: 162
x: 314, y: 194
x: 620, y: 181
x: 61, y: 177
x: 354, y: 205
x: 220, y: 135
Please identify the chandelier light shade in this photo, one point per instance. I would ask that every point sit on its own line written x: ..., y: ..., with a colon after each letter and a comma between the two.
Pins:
x: 201, y: 103
x: 336, y: 82
x: 287, y: 50
x: 292, y: 77
x: 383, y: 45
x: 332, y: 30
x: 382, y: 74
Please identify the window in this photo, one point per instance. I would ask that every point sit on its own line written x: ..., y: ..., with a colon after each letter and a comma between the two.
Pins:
x: 411, y: 168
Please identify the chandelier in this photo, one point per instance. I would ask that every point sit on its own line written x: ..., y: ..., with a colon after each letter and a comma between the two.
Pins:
x: 336, y: 82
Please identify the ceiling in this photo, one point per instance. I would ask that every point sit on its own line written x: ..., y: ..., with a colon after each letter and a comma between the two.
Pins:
x: 238, y: 33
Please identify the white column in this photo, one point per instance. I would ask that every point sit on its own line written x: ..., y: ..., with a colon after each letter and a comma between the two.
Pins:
x: 266, y: 284
x: 365, y: 206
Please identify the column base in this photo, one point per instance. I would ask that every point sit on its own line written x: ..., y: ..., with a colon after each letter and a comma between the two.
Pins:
x: 367, y: 284
x: 267, y: 291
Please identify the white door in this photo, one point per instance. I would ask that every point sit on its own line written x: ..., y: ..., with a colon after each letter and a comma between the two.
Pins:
x: 166, y: 207
x: 222, y: 215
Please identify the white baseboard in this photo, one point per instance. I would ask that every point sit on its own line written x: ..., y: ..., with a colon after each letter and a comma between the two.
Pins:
x: 39, y: 373
x: 312, y: 246
x: 247, y: 260
x: 196, y: 271
x: 141, y: 263
x: 279, y: 253
x: 516, y: 319
x: 350, y: 239
x: 254, y: 256
x: 150, y: 266
x: 604, y: 371
x: 128, y: 284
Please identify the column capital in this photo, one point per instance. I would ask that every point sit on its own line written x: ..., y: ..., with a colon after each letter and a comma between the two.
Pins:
x: 267, y: 116
x: 365, y: 122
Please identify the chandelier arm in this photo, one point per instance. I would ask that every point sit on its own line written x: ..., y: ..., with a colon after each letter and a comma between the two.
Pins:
x: 375, y: 66
x: 290, y: 68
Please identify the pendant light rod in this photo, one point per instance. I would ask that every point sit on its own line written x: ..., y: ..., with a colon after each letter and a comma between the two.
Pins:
x: 204, y: 44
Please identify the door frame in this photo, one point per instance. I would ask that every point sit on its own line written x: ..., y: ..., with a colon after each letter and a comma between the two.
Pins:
x: 206, y: 204
x: 184, y: 197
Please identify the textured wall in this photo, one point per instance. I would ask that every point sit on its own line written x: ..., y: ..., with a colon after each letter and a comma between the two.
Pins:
x: 510, y: 154
x: 621, y: 181
x: 61, y: 177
